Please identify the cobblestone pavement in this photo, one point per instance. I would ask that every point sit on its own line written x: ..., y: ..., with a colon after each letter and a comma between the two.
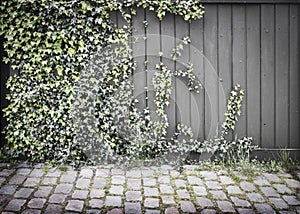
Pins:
x: 107, y: 189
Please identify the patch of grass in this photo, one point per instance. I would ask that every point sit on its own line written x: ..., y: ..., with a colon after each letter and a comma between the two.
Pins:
x: 234, y: 177
x: 63, y: 168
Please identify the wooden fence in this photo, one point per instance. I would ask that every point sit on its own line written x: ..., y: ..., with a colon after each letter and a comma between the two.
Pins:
x: 255, y: 44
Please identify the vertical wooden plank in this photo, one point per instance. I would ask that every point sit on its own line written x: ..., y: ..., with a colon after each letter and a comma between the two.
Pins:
x: 282, y: 74
x: 4, y: 74
x: 267, y: 76
x: 294, y: 76
x: 138, y: 51
x: 182, y: 92
x: 210, y: 70
x: 168, y: 43
x: 239, y: 62
x: 197, y: 57
x: 152, y: 49
x: 253, y: 72
x: 225, y: 58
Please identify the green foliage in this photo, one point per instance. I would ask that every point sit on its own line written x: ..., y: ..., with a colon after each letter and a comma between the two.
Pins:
x: 72, y: 99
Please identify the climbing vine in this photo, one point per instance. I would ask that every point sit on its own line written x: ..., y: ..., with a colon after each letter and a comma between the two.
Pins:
x: 72, y: 98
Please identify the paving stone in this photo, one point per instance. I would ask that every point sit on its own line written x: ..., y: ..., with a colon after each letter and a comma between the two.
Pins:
x: 167, y: 199
x: 97, y: 193
x: 284, y: 174
x: 234, y: 190
x: 147, y: 172
x: 63, y: 188
x: 57, y: 198
x: 151, y: 202
x: 218, y: 194
x: 272, y: 178
x: 200, y: 190
x: 23, y: 171
x: 164, y: 179
x: 117, y: 171
x: 149, y: 182
x: 133, y: 196
x: 282, y: 188
x: 187, y: 206
x: 54, y: 172
x: 31, y: 182
x: 208, y: 211
x: 278, y: 203
x: 292, y: 183
x: 134, y: 184
x: 148, y: 191
x: 75, y: 205
x: 49, y: 181
x: 118, y: 179
x: 116, y: 190
x: 193, y: 180
x: 113, y: 201
x: 152, y: 211
x: 204, y: 202
x: 31, y: 211
x: 264, y: 209
x: 183, y: 194
x: 94, y: 211
x: 190, y: 169
x: 133, y: 208
x: 99, y: 183
x: 37, y: 173
x: 83, y: 183
x: 255, y: 197
x: 135, y: 173
x: 240, y: 202
x: 247, y: 186
x: 269, y: 192
x: 213, y: 185
x: 86, y: 173
x: 102, y: 172
x: 225, y: 207
x: 115, y: 211
x: 166, y: 189
x: 8, y: 190
x: 23, y: 193
x: 96, y: 203
x: 36, y: 203
x: 171, y: 210
x: 43, y: 192
x: 225, y: 180
x: 174, y: 173
x: 17, y: 179
x: 69, y: 177
x: 291, y: 200
x: 180, y: 183
x: 80, y: 194
x: 208, y: 175
x: 2, y: 180
x: 15, y: 205
x: 6, y: 172
x: 261, y: 181
x: 287, y: 212
x: 245, y: 211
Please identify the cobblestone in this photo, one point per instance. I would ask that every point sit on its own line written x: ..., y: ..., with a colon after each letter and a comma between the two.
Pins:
x: 30, y: 189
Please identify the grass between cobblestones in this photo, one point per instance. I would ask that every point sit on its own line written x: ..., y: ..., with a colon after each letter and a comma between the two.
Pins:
x: 41, y: 188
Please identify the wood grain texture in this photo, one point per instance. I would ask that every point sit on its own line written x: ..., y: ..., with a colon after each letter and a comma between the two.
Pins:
x: 282, y: 75
x: 210, y: 71
x: 197, y: 58
x: 239, y: 62
x: 294, y: 84
x: 267, y: 76
x: 253, y: 72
